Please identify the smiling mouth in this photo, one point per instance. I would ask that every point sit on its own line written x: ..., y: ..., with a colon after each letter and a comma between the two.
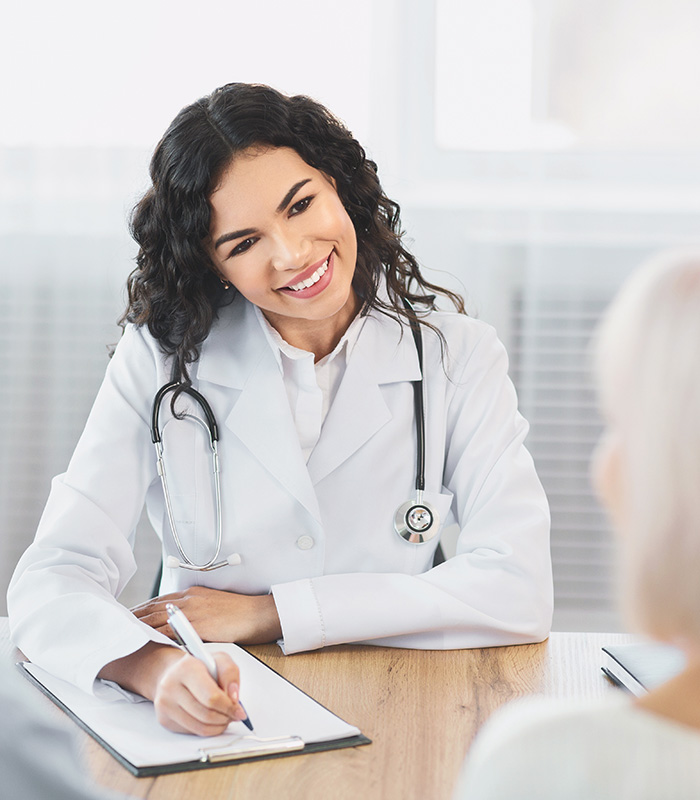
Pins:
x: 312, y: 279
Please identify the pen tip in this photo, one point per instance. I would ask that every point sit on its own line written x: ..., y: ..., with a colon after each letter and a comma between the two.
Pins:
x: 246, y: 721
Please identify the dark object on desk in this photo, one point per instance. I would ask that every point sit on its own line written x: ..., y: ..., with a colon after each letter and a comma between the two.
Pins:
x: 640, y: 667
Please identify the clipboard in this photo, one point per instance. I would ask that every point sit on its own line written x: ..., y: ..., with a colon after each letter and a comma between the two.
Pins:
x: 287, y: 722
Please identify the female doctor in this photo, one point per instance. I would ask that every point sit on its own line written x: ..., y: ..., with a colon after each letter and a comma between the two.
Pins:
x: 271, y: 279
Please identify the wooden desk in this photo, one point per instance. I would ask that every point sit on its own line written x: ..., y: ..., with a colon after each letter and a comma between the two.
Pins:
x: 420, y: 708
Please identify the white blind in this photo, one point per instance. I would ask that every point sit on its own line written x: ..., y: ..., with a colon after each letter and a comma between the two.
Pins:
x: 64, y: 256
x: 54, y: 343
x: 549, y: 365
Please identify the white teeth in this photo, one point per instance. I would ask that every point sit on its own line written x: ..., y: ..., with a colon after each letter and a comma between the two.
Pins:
x: 315, y: 278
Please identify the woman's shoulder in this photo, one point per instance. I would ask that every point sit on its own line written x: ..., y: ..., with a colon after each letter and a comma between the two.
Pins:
x: 453, y: 324
x: 549, y: 720
x: 138, y: 345
x: 463, y: 343
x: 585, y: 749
x: 139, y: 337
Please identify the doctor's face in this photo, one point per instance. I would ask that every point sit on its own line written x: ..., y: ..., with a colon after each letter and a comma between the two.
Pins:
x: 282, y: 237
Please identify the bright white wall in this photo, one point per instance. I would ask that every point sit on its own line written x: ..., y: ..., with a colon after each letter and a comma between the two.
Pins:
x: 86, y: 91
x: 538, y: 234
x: 102, y: 74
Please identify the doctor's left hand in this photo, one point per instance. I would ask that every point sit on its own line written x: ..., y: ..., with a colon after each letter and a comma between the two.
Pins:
x: 217, y: 616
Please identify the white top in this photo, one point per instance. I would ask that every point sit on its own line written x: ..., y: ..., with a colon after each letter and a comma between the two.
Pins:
x: 311, y: 387
x: 537, y: 749
x: 320, y: 533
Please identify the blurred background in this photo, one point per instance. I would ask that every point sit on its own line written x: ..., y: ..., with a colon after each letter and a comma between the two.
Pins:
x: 539, y: 150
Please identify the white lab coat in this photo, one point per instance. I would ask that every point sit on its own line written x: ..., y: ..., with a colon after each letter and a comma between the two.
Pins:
x: 319, y: 535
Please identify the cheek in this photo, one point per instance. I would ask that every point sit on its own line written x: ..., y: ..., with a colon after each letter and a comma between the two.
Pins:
x: 247, y: 279
x: 350, y: 238
x: 337, y: 222
x: 607, y: 476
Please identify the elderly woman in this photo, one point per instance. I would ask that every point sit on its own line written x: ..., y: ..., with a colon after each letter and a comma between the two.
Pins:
x: 647, y: 472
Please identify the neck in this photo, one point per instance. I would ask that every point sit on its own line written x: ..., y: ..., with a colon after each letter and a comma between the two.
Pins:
x: 679, y: 698
x: 319, y: 337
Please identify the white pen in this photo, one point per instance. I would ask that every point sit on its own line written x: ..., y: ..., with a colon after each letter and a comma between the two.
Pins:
x: 187, y: 636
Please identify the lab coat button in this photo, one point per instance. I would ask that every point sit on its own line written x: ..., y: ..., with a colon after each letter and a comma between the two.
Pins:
x: 305, y: 542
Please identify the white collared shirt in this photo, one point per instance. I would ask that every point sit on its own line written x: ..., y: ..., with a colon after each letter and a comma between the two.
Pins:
x: 311, y: 387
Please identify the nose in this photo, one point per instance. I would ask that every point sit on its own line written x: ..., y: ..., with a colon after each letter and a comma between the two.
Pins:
x: 289, y: 251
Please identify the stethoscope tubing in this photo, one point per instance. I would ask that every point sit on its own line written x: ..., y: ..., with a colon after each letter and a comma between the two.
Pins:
x: 190, y: 390
x: 419, y: 412
x: 415, y: 521
x: 213, y: 431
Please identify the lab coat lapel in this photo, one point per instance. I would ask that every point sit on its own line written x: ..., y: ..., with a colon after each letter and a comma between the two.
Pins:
x: 381, y: 356
x: 239, y: 356
x: 262, y: 420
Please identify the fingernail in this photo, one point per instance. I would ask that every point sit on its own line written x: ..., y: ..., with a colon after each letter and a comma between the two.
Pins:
x: 233, y: 692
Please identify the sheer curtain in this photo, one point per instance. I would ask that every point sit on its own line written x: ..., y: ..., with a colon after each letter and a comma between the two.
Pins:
x: 87, y: 89
x: 539, y: 149
x: 555, y: 145
x: 64, y: 256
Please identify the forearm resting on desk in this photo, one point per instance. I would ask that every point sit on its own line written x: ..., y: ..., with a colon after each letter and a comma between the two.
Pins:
x: 140, y: 672
x: 185, y: 696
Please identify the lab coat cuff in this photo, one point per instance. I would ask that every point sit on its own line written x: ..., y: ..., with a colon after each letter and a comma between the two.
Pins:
x: 300, y: 616
x: 109, y: 691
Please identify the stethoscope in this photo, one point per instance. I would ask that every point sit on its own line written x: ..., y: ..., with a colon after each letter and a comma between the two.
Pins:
x: 415, y: 521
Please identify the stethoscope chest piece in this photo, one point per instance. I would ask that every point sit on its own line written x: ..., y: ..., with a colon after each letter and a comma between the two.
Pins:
x: 416, y: 521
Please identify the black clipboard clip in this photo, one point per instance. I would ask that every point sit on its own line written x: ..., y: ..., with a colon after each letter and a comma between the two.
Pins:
x: 250, y: 746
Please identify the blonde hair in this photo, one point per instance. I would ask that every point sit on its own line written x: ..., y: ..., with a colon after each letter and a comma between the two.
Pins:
x: 648, y: 369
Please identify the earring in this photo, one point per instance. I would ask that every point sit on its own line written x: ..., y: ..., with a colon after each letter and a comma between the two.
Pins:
x: 226, y: 284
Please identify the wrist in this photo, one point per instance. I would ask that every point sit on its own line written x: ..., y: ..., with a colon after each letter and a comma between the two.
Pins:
x: 262, y: 621
x: 141, y: 671
x: 273, y: 625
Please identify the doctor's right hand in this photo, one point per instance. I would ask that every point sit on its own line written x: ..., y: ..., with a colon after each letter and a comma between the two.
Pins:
x: 186, y: 698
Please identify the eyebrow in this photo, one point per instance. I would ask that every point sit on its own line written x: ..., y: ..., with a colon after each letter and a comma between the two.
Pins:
x: 227, y: 237
x: 288, y: 197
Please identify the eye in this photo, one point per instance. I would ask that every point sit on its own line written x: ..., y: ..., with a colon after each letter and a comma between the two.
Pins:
x: 246, y: 244
x: 300, y: 206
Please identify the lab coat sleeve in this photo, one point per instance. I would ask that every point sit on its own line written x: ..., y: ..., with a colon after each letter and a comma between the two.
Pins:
x: 62, y: 598
x: 497, y: 589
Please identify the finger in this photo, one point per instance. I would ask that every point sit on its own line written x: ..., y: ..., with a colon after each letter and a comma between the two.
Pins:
x: 229, y: 681
x: 145, y: 609
x: 178, y: 719
x: 204, y: 712
x: 142, y: 609
x: 166, y: 630
x: 206, y: 691
x: 187, y: 693
x: 153, y: 613
x: 155, y: 619
x: 160, y: 601
x: 229, y: 674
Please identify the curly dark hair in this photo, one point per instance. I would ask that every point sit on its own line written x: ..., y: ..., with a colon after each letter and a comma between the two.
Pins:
x: 175, y: 288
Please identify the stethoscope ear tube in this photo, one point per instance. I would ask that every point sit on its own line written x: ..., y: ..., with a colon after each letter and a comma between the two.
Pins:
x: 213, y: 431
x: 203, y: 403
